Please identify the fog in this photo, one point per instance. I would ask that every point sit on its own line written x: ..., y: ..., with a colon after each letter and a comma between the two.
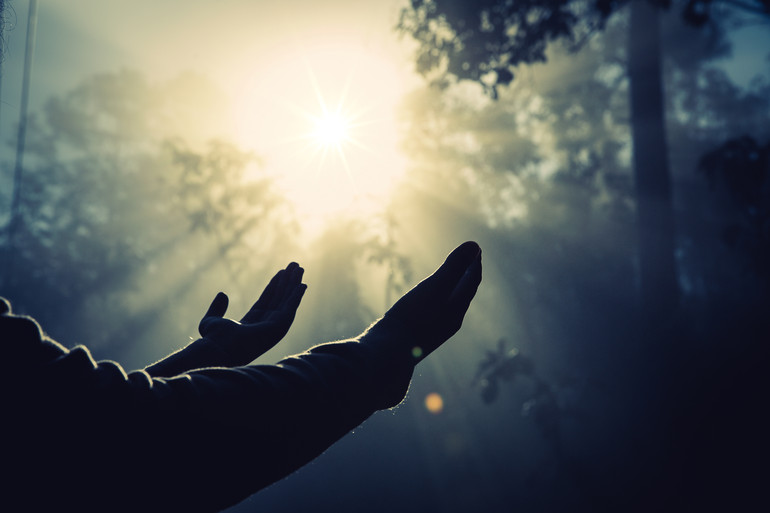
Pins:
x: 172, y: 152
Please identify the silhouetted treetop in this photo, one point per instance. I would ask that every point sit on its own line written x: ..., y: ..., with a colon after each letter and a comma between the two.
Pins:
x: 699, y: 12
x: 743, y: 165
x: 485, y: 40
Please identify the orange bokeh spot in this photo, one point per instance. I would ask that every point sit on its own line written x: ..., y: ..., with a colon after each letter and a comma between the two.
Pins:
x: 434, y: 403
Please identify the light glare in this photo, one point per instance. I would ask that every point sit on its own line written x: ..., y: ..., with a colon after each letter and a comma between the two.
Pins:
x: 332, y: 129
x: 329, y: 132
x: 434, y: 403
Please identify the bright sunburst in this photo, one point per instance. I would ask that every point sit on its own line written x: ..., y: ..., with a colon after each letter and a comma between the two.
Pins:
x: 332, y: 129
x: 328, y: 131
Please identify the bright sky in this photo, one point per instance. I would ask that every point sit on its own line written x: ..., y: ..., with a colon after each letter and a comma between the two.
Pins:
x: 288, y: 69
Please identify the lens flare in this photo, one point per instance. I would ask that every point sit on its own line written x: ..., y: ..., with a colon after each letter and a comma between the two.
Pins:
x: 434, y: 403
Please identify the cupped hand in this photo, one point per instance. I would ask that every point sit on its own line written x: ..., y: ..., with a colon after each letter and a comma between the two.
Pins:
x: 433, y: 311
x: 263, y: 326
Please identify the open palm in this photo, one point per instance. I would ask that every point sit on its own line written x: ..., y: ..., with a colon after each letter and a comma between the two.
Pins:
x: 263, y: 326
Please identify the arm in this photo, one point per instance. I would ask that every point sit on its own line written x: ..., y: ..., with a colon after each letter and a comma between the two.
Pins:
x: 228, y: 343
x: 208, y: 439
x: 299, y: 407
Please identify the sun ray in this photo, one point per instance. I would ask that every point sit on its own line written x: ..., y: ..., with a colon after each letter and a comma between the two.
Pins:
x: 329, y: 134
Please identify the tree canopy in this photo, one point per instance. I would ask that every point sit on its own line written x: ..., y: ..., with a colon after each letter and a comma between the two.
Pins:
x: 484, y: 41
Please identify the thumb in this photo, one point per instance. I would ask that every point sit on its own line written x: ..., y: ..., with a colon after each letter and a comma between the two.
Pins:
x: 217, y: 309
x: 218, y: 306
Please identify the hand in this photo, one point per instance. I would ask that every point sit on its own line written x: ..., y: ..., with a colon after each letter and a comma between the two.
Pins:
x: 433, y: 311
x: 263, y: 326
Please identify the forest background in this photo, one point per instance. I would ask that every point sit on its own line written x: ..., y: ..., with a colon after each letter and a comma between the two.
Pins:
x: 161, y: 165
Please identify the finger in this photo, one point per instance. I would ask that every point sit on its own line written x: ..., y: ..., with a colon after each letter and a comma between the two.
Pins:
x: 465, y: 291
x: 278, y: 324
x: 218, y: 306
x: 454, y: 310
x: 277, y: 292
x: 294, y: 283
x: 216, y: 310
x: 5, y: 306
x: 294, y: 300
x: 446, y: 277
x: 267, y: 295
x: 299, y: 272
x: 291, y: 277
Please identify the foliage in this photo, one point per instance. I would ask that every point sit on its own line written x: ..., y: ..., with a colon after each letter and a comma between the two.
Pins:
x: 742, y: 167
x: 347, y: 256
x: 500, y: 365
x: 547, y: 167
x: 700, y: 12
x: 485, y: 41
x: 113, y: 194
x: 222, y: 195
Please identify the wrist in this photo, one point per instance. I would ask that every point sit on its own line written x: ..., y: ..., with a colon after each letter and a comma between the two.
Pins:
x: 391, y: 339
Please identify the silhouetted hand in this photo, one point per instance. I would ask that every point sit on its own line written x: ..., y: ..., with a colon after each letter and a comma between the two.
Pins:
x: 433, y: 311
x: 263, y: 326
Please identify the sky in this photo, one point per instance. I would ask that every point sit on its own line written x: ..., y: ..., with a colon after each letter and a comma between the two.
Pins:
x: 750, y: 54
x: 281, y: 66
x: 313, y: 87
x: 284, y: 68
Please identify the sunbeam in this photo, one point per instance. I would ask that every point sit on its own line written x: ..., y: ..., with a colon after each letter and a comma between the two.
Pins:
x: 329, y: 135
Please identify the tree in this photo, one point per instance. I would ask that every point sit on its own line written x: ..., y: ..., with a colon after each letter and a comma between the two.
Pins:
x: 567, y: 290
x: 485, y: 41
x: 742, y: 167
x: 122, y: 194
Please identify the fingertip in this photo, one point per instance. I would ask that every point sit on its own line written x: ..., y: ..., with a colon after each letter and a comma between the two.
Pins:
x: 470, y: 245
x: 477, y: 263
x: 218, y: 305
x: 294, y: 273
x: 459, y: 260
x: 296, y: 297
x: 469, y: 283
x: 465, y: 252
x: 5, y: 306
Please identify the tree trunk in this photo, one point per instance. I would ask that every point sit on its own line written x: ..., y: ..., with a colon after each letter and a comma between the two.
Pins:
x: 15, y: 218
x: 655, y: 222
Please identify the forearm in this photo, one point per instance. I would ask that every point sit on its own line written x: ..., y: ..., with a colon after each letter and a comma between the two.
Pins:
x: 199, y: 354
x: 201, y: 441
x: 257, y: 424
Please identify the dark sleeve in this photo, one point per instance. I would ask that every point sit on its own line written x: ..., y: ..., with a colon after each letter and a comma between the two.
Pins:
x: 201, y: 441
x: 195, y: 355
x: 248, y: 427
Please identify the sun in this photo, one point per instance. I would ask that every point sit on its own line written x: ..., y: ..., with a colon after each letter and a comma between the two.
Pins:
x: 324, y: 119
x: 332, y: 130
x: 331, y: 136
